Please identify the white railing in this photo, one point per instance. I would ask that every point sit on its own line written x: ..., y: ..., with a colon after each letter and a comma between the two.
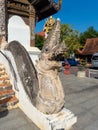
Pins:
x: 92, y: 72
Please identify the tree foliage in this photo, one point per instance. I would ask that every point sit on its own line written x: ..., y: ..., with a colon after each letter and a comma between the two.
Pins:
x: 89, y: 33
x: 71, y: 38
x: 39, y: 41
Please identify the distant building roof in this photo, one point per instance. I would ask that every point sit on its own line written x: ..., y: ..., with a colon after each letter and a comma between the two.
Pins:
x: 90, y: 47
x: 42, y: 33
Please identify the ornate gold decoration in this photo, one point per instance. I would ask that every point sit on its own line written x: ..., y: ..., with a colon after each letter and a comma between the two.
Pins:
x: 49, y: 24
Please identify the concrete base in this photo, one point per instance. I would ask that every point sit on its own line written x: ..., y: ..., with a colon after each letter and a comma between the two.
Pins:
x: 62, y: 120
x: 81, y: 74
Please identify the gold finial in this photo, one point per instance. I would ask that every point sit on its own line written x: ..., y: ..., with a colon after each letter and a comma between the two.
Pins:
x: 49, y: 24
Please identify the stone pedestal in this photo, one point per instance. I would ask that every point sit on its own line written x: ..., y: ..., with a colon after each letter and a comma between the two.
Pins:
x: 62, y: 120
x: 81, y: 74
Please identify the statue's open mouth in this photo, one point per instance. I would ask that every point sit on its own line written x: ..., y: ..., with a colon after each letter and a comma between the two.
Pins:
x: 57, y: 57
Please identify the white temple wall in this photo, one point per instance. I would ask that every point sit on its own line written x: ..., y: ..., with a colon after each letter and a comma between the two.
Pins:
x: 18, y: 30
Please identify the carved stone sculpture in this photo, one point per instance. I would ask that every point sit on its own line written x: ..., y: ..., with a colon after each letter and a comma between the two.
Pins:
x: 41, y: 82
x: 51, y: 95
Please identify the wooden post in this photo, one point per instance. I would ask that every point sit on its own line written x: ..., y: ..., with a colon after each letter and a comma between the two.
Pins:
x: 32, y: 25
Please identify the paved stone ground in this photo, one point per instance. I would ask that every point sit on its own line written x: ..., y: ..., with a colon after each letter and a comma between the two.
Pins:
x: 15, y: 120
x: 81, y: 97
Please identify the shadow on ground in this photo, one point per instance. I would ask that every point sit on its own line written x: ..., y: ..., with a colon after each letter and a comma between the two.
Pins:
x: 4, y: 113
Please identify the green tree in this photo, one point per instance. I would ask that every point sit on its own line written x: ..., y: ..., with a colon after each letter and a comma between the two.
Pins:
x: 71, y: 38
x: 89, y: 33
x: 39, y: 41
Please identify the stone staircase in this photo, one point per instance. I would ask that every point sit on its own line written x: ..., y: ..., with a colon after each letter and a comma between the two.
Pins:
x: 7, y: 94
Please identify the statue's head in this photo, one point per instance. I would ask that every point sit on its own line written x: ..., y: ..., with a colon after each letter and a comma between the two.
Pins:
x: 52, y: 48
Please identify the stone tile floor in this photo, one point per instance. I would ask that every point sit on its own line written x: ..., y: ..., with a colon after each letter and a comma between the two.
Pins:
x: 15, y: 120
x: 81, y: 97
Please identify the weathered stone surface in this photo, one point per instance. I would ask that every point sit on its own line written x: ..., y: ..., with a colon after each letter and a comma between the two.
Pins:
x: 25, y: 68
x: 2, y: 17
x: 42, y: 84
x: 51, y: 95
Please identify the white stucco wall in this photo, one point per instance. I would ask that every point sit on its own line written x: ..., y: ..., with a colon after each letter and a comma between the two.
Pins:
x: 18, y: 30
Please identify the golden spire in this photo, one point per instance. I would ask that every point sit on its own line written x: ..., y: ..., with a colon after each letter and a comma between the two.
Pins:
x: 49, y: 24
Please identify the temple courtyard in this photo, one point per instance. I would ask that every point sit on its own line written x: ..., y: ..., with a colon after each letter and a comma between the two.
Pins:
x: 81, y: 97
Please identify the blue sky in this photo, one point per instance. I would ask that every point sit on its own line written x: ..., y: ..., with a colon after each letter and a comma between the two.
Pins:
x: 79, y: 13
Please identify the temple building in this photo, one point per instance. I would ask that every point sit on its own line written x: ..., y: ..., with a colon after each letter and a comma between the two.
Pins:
x: 15, y: 14
x: 47, y: 27
x: 90, y: 47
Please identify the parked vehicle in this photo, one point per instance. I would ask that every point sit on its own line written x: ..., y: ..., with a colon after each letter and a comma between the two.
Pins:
x: 71, y: 61
x: 94, y: 60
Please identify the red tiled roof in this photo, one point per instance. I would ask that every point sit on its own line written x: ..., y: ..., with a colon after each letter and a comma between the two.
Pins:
x: 90, y: 47
x: 42, y: 34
